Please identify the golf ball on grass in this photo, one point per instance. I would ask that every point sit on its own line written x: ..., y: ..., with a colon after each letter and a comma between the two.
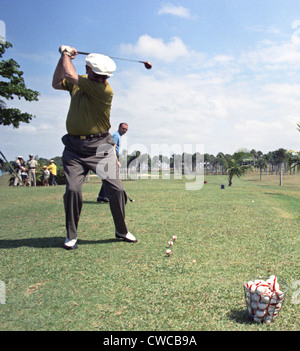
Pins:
x: 171, y: 243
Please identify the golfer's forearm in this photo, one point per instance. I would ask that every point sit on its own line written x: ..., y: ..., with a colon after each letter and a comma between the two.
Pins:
x: 58, y: 75
x: 68, y: 69
x: 64, y: 70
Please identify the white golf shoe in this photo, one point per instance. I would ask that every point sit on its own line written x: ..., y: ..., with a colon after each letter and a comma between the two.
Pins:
x: 126, y: 237
x: 70, y: 244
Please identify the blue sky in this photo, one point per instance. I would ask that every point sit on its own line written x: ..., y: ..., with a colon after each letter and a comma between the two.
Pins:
x: 225, y: 72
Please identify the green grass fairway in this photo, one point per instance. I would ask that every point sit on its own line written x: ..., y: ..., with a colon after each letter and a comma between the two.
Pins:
x: 225, y: 238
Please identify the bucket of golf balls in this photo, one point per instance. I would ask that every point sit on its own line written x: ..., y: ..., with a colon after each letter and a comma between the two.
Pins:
x: 264, y: 298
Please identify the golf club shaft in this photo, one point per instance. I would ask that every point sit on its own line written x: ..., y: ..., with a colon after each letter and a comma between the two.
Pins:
x: 115, y: 58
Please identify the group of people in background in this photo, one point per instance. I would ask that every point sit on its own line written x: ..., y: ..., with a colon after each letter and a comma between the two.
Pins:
x: 25, y: 172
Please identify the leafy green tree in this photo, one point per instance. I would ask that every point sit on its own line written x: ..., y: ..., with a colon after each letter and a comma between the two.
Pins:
x: 294, y: 160
x: 12, y: 86
x: 236, y: 164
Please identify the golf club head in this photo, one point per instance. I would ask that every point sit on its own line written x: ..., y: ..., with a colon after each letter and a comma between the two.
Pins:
x: 148, y: 65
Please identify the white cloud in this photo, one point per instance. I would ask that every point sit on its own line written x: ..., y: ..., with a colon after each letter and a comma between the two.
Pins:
x: 224, y: 59
x: 273, y: 56
x: 157, y: 48
x: 179, y: 11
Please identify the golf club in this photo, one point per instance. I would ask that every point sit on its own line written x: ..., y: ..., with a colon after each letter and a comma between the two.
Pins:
x: 130, y: 199
x: 147, y: 64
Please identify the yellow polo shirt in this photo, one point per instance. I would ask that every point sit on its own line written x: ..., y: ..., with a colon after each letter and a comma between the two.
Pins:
x: 52, y: 168
x: 89, y: 111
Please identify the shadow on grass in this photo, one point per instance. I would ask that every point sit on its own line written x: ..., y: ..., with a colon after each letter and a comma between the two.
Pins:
x: 240, y: 316
x: 274, y: 194
x: 45, y: 242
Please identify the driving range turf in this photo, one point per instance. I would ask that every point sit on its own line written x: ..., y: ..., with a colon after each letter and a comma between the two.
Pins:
x: 225, y: 237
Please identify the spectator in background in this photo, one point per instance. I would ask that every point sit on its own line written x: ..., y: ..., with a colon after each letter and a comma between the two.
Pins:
x: 32, y: 170
x: 19, y: 168
x: 46, y: 176
x: 53, y: 172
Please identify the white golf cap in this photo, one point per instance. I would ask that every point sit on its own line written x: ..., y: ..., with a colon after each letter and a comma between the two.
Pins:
x: 101, y: 64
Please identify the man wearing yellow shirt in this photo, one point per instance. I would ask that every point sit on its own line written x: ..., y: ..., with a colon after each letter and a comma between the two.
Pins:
x: 52, y: 169
x: 88, y: 144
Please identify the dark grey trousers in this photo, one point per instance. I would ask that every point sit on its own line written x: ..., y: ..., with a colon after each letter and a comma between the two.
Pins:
x: 97, y: 155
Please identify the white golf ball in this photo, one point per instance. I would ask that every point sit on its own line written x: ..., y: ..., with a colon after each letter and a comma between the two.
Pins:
x: 260, y: 313
x: 252, y: 287
x: 265, y: 297
x: 260, y: 290
x: 168, y: 252
x: 255, y: 297
x: 262, y: 306
x: 254, y: 305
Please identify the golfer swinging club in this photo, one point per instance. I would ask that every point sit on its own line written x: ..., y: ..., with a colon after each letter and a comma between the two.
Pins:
x: 88, y: 144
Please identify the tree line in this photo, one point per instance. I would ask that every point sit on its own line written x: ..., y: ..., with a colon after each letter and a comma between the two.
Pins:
x: 276, y: 162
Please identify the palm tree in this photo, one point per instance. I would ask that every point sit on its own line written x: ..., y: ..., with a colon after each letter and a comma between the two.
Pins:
x: 294, y: 160
x: 236, y: 165
x: 254, y: 153
x: 279, y: 157
x: 261, y: 164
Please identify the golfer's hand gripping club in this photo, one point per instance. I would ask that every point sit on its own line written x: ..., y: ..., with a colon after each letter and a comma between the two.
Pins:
x: 70, y: 51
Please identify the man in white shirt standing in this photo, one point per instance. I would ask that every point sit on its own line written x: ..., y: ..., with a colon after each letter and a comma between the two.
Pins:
x: 32, y: 165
